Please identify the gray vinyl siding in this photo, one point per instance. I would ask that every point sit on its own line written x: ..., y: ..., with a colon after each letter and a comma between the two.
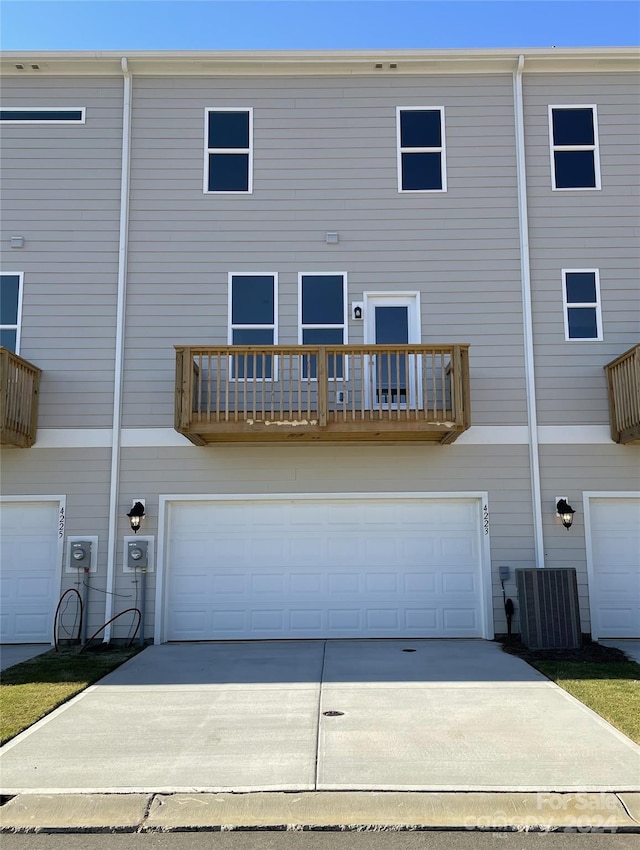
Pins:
x: 82, y: 475
x: 324, y: 159
x: 583, y: 230
x: 61, y: 191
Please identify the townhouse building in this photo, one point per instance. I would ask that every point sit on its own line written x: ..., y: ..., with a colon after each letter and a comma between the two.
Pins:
x: 337, y: 330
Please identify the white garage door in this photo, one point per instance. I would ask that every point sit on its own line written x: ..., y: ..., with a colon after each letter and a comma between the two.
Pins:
x: 29, y: 575
x: 324, y: 568
x: 615, y: 585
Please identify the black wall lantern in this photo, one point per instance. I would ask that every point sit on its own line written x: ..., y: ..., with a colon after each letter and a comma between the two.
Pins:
x: 565, y: 512
x: 135, y: 515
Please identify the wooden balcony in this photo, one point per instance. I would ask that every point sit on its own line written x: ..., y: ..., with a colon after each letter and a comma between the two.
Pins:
x: 313, y: 393
x: 623, y: 380
x: 19, y: 382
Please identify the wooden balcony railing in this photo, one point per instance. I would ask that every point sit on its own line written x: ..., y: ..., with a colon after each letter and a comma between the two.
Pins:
x: 19, y: 382
x: 346, y: 392
x: 623, y: 380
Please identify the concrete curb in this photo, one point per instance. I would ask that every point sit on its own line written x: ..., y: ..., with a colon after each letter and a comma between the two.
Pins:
x: 323, y: 810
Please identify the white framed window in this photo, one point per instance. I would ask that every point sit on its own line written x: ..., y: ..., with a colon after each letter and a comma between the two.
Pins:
x: 43, y: 115
x: 581, y: 300
x: 11, y: 310
x: 421, y: 149
x: 573, y: 143
x: 253, y: 320
x: 228, y: 142
x: 322, y: 311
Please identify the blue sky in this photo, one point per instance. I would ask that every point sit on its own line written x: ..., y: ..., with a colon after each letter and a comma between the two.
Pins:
x: 314, y: 24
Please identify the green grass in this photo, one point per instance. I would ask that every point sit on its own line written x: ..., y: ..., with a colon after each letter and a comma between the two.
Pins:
x: 32, y: 689
x: 611, y: 689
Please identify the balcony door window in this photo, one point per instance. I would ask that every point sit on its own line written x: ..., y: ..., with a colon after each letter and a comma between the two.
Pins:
x: 394, y: 377
x: 253, y: 308
x: 10, y: 310
x: 322, y: 308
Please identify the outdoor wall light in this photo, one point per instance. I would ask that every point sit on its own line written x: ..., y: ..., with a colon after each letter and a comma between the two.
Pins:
x: 135, y: 515
x: 565, y: 512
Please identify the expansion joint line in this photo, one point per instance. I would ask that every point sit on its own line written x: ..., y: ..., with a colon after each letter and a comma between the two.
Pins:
x: 319, y: 715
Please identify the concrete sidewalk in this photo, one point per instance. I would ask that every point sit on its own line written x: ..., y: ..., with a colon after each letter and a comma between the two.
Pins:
x: 395, y: 716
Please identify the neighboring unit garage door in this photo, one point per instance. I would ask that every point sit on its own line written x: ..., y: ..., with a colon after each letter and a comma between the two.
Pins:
x: 615, y: 554
x: 29, y: 576
x: 324, y: 568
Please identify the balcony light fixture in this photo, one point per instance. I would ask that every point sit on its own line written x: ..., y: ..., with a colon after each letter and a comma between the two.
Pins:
x: 135, y: 515
x: 565, y: 512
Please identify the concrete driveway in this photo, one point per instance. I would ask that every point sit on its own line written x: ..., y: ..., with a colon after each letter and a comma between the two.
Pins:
x: 315, y: 715
x: 16, y: 653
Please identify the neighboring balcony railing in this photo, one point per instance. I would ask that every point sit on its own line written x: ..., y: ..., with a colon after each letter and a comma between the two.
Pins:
x: 19, y: 383
x: 345, y: 392
x: 623, y: 379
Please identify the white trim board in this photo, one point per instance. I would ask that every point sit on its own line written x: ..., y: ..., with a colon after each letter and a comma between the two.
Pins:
x: 485, y: 435
x: 482, y: 498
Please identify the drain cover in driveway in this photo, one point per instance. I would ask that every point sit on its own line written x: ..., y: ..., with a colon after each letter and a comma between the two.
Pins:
x: 333, y: 713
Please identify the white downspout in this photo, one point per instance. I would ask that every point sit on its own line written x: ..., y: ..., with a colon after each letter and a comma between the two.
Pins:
x: 119, y: 352
x: 527, y: 316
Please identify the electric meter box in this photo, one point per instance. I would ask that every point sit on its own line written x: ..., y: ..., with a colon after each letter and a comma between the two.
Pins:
x: 137, y: 554
x: 82, y: 554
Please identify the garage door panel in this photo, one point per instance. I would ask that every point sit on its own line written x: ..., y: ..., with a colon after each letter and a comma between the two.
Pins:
x: 324, y: 569
x: 617, y: 620
x: 339, y: 584
x: 420, y: 583
x: 304, y: 584
x: 381, y: 583
x: 460, y: 618
x: 459, y: 583
x: 307, y: 620
x: 228, y: 584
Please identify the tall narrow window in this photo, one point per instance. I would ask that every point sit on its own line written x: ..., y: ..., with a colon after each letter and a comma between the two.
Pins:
x: 252, y: 321
x: 575, y: 160
x: 421, y: 149
x: 229, y: 150
x: 10, y: 310
x: 582, y: 310
x: 322, y: 318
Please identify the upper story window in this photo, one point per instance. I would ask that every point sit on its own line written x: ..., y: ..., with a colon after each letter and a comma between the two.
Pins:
x: 229, y: 150
x: 253, y: 308
x: 421, y: 149
x: 10, y: 310
x: 575, y: 159
x: 582, y: 310
x: 322, y: 310
x: 45, y: 115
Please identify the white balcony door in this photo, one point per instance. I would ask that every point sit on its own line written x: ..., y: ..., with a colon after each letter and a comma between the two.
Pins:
x: 393, y: 381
